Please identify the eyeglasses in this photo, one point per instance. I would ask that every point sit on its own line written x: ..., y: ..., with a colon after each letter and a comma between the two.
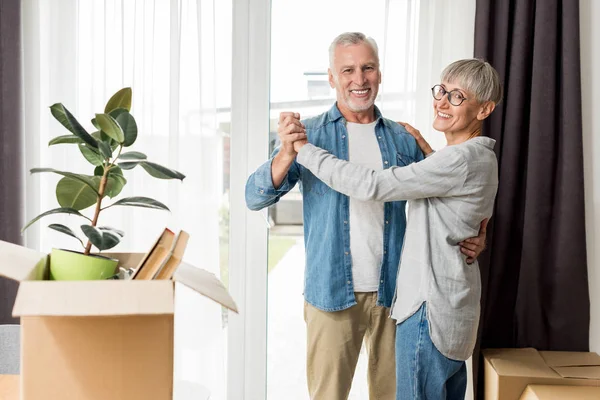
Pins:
x: 455, y: 97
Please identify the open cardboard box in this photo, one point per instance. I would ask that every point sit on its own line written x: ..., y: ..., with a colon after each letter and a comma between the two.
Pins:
x: 509, y: 371
x: 98, y: 340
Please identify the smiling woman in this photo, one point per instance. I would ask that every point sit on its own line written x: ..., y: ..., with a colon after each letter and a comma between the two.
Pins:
x: 461, y: 102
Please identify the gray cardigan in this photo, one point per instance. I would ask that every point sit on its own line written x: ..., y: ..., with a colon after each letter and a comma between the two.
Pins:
x: 449, y: 194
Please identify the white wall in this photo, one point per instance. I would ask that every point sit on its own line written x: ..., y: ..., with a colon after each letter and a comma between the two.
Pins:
x: 590, y: 79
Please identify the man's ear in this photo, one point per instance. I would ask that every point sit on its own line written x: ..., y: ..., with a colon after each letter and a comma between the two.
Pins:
x: 331, y: 78
x: 485, y: 110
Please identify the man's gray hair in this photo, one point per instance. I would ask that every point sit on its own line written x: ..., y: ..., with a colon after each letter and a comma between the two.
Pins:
x: 349, y: 38
x: 476, y: 76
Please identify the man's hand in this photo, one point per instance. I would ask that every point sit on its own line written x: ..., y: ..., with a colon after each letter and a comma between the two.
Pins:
x: 473, y: 247
x: 290, y: 129
x: 425, y: 147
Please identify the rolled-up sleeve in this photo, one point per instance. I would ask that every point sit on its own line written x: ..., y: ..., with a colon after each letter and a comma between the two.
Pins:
x: 261, y: 193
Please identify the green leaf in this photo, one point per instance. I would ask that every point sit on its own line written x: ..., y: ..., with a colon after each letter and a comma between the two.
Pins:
x: 75, y: 194
x: 117, y: 111
x: 97, y: 126
x: 105, y: 149
x: 116, y: 182
x: 121, y: 99
x: 82, y: 178
x: 160, y: 172
x: 103, y: 137
x: 128, y: 165
x: 113, y: 230
x: 102, y: 239
x: 92, y: 155
x: 54, y: 211
x: 132, y: 155
x: 129, y: 126
x: 110, y: 127
x: 66, y: 230
x: 144, y: 202
x: 65, y: 139
x: 67, y: 120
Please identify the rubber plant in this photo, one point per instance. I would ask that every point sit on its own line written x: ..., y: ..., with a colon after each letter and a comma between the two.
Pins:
x: 116, y: 130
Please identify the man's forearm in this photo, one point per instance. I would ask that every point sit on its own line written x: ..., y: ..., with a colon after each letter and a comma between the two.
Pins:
x: 279, y: 168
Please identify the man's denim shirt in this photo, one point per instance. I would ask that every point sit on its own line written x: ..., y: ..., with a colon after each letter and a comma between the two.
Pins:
x: 328, y: 274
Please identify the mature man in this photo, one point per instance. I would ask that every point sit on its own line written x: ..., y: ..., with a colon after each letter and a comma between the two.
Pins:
x: 352, y: 247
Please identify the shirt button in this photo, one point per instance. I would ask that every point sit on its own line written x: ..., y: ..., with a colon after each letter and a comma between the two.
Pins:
x: 385, y: 252
x: 346, y: 253
x: 345, y: 222
x: 381, y: 281
x: 385, y: 162
x: 261, y: 191
x: 348, y: 282
x: 343, y: 136
x: 379, y: 137
x: 387, y: 222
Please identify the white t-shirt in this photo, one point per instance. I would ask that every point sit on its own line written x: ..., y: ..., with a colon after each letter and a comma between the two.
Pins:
x: 366, y: 217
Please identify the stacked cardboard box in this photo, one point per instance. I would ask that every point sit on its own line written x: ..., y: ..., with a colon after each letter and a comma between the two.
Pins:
x: 508, y: 372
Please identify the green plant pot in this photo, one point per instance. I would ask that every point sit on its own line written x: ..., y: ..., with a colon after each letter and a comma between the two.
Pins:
x: 67, y: 265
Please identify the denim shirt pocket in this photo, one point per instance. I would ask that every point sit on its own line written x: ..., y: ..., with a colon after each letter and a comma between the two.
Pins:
x: 404, y: 160
x: 312, y: 184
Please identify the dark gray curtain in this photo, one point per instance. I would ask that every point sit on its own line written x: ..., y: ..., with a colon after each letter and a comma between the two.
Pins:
x: 11, y: 168
x: 534, y: 274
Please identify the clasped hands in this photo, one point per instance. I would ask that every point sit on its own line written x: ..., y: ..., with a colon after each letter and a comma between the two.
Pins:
x: 292, y: 133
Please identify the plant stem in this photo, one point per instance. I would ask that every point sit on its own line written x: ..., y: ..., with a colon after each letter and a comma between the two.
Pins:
x: 101, y: 191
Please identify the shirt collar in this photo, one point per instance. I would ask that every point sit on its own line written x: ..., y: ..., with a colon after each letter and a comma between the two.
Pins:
x: 334, y: 114
x: 485, y: 141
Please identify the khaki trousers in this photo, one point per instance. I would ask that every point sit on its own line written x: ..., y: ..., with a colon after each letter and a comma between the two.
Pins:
x: 334, y: 340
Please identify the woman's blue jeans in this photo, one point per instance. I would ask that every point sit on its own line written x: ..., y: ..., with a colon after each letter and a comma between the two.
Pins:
x: 422, y: 372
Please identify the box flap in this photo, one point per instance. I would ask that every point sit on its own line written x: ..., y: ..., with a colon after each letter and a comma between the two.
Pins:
x: 204, y: 283
x: 579, y: 372
x: 570, y: 358
x: 560, y: 392
x: 20, y: 263
x: 93, y: 298
x: 570, y: 364
x: 525, y: 362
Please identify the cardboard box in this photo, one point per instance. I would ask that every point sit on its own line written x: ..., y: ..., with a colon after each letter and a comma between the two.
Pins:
x: 555, y: 392
x: 98, y: 340
x: 509, y: 371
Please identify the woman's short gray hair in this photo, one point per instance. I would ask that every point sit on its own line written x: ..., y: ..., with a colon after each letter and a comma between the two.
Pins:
x: 476, y: 76
x: 349, y: 38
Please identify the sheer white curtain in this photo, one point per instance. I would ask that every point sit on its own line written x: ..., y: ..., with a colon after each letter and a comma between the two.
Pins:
x: 421, y: 38
x: 176, y: 56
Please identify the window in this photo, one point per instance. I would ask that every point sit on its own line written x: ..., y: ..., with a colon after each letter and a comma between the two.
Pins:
x: 176, y: 56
